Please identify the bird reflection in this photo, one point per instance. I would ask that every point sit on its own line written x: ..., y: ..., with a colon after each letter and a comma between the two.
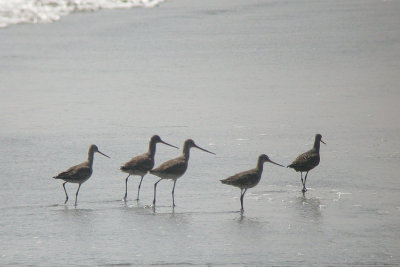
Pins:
x: 309, y: 207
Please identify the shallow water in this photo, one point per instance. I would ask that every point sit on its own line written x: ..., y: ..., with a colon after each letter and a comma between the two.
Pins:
x: 241, y: 79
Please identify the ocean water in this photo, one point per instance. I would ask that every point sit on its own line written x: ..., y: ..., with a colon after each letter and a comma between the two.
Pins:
x: 241, y: 78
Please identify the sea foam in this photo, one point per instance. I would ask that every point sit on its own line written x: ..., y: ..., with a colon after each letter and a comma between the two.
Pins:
x: 46, y: 11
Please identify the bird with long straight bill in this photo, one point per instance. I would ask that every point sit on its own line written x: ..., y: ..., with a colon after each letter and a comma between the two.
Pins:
x: 248, y: 179
x: 80, y: 173
x: 175, y: 168
x: 142, y: 164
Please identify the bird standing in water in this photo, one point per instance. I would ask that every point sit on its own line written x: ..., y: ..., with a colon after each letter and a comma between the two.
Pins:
x: 175, y: 168
x: 307, y: 161
x: 248, y: 179
x: 140, y: 165
x: 80, y: 173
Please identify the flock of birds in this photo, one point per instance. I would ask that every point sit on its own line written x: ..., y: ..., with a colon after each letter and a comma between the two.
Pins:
x: 175, y: 168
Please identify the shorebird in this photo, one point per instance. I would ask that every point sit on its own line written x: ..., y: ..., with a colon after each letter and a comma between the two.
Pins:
x: 307, y: 161
x: 248, y: 179
x: 175, y: 168
x: 80, y: 173
x: 140, y: 165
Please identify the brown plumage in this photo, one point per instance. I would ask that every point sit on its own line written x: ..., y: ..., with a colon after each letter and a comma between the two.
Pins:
x: 248, y: 179
x: 140, y: 165
x: 307, y: 161
x: 79, y: 173
x: 175, y: 168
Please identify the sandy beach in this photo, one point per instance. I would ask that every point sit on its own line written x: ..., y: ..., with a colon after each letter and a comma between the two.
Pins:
x: 241, y: 78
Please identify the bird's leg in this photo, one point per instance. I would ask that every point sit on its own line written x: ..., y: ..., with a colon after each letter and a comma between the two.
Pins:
x: 304, y: 184
x: 155, y: 189
x: 138, y: 190
x: 126, y: 187
x: 241, y: 199
x: 66, y: 195
x: 301, y: 176
x: 173, y: 194
x: 76, y: 195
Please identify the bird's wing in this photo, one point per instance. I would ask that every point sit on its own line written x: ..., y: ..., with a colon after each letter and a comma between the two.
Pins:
x: 78, y: 171
x: 242, y: 178
x: 84, y: 171
x: 141, y: 163
x: 174, y: 166
x: 305, y: 158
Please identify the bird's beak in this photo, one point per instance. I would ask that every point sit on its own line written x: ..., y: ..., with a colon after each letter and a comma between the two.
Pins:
x: 276, y: 163
x: 103, y: 154
x: 204, y: 150
x: 165, y: 143
x: 323, y: 142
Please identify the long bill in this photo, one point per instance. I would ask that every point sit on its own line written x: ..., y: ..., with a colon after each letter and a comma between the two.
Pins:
x: 165, y: 143
x: 323, y: 142
x: 103, y: 154
x: 204, y: 150
x: 276, y: 163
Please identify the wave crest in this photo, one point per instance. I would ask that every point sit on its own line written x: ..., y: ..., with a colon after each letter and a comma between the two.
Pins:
x: 46, y: 11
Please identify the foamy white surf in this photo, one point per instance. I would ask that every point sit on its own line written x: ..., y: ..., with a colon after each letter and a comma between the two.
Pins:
x: 45, y: 11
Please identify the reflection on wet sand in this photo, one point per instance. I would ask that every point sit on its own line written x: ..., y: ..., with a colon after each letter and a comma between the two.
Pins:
x: 309, y: 207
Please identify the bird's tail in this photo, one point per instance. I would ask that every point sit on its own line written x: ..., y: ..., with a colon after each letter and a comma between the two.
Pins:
x: 60, y: 175
x: 225, y: 181
x: 123, y: 168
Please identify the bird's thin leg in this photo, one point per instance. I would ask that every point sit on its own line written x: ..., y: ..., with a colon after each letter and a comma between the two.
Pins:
x: 126, y: 187
x: 66, y: 195
x: 173, y: 194
x: 241, y: 199
x: 155, y: 190
x: 76, y: 195
x: 138, y: 190
x: 241, y: 202
x: 304, y: 185
x: 301, y: 176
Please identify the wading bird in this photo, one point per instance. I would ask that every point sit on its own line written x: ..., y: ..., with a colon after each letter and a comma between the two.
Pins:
x: 140, y: 165
x: 248, y: 179
x: 80, y: 173
x: 307, y: 161
x: 175, y: 168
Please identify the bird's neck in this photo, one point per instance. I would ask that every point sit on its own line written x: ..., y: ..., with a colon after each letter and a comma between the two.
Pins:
x: 152, y: 148
x: 260, y: 166
x: 186, y: 152
x: 90, y: 158
x: 316, y: 145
